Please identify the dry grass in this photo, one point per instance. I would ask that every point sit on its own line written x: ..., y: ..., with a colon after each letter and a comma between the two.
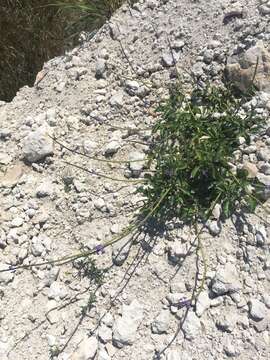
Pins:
x: 33, y: 31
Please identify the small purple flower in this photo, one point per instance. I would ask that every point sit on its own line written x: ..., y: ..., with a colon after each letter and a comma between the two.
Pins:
x: 12, y: 268
x: 100, y: 249
x: 183, y: 302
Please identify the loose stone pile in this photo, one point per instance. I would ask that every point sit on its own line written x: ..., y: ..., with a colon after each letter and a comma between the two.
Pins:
x: 98, y: 100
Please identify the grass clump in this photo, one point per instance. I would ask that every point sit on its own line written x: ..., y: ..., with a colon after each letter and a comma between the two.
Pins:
x: 34, y: 31
x: 194, y: 141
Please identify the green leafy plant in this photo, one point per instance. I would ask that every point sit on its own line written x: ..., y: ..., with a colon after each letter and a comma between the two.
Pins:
x: 192, y: 155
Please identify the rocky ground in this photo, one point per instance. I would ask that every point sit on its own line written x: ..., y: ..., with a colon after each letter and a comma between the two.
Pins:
x: 95, y: 100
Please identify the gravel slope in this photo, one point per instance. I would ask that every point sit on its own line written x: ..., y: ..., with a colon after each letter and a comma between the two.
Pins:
x: 50, y: 209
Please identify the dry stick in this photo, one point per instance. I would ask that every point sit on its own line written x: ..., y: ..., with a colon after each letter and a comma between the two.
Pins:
x: 69, y: 258
x: 91, y: 157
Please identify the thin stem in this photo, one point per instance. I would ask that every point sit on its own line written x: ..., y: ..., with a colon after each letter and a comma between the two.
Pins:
x: 69, y: 258
x: 92, y: 172
x: 92, y: 157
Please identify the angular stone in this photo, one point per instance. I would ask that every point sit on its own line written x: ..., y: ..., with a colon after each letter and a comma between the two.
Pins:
x: 120, y: 251
x: 11, y: 177
x: 112, y: 147
x: 86, y: 350
x: 251, y: 169
x: 191, y: 326
x: 177, y: 251
x: 226, y: 281
x: 203, y: 303
x: 125, y: 328
x: 100, y: 68
x: 136, y: 162
x: 37, y: 145
x: 6, y: 276
x: 241, y: 69
x: 257, y: 309
x: 161, y: 323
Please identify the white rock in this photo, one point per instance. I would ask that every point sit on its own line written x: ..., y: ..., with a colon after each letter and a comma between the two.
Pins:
x: 226, y: 281
x: 100, y: 68
x: 125, y: 328
x: 86, y: 350
x: 51, y: 117
x: 161, y: 323
x: 226, y: 321
x: 107, y: 319
x: 117, y: 99
x: 191, y: 326
x: 214, y: 227
x: 203, y: 303
x: 7, y: 276
x: 174, y: 355
x: 257, y: 309
x: 5, y: 159
x: 266, y: 300
x: 230, y: 350
x: 120, y: 251
x: 105, y: 333
x: 134, y: 88
x: 174, y: 298
x: 135, y: 165
x: 37, y: 247
x: 51, y: 340
x: 112, y: 147
x: 99, y: 204
x: 44, y: 189
x: 37, y: 145
x: 177, y: 251
x: 170, y: 58
x: 57, y: 291
x: 17, y: 222
x: 103, y: 355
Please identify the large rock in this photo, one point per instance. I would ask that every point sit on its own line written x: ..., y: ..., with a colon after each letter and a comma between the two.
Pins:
x: 242, y: 68
x: 226, y: 281
x: 86, y: 350
x: 125, y: 328
x: 257, y: 309
x: 191, y: 326
x: 161, y: 323
x: 37, y: 145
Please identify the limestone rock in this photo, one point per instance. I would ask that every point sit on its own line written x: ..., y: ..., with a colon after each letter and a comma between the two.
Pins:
x: 37, y: 145
x: 241, y: 69
x: 191, y: 326
x: 203, y: 303
x: 125, y: 328
x: 86, y: 350
x: 226, y: 281
x: 257, y: 309
x: 120, y: 251
x: 7, y: 276
x: 11, y: 176
x: 161, y: 323
x: 135, y: 164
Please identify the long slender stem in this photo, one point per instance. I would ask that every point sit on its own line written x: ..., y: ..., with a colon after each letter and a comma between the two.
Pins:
x: 92, y: 157
x: 69, y: 258
x: 92, y: 172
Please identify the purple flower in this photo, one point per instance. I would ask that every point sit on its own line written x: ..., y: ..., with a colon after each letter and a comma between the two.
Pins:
x: 183, y: 302
x: 12, y: 268
x: 100, y: 249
